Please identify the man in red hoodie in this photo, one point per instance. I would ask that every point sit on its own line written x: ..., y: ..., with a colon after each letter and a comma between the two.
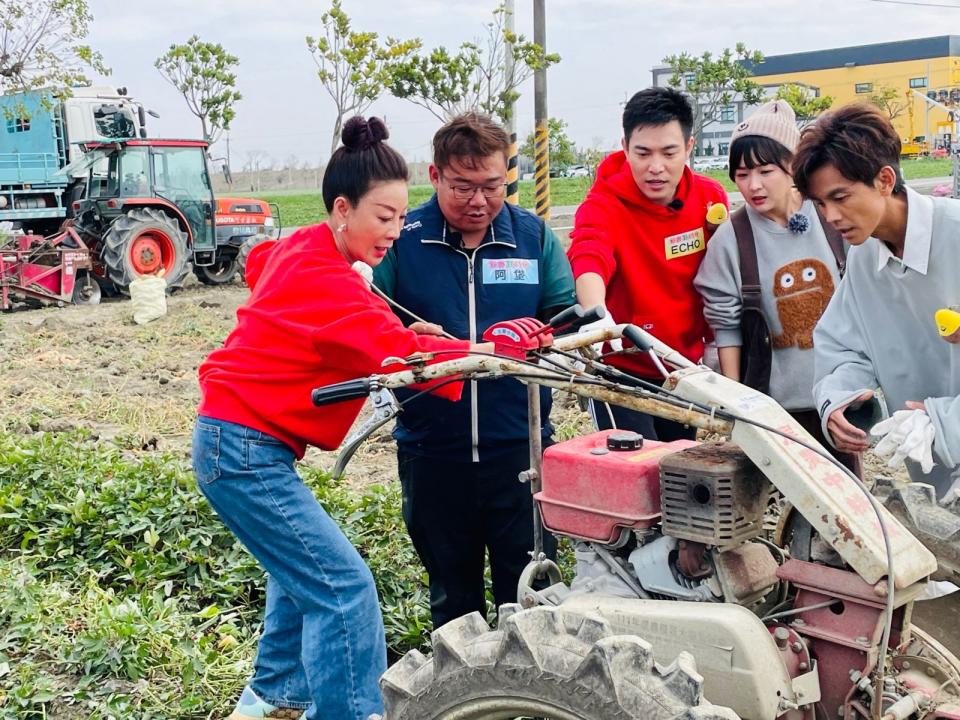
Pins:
x: 639, y: 238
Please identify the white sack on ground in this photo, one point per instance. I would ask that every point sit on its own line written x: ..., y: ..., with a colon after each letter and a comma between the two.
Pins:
x: 149, y: 297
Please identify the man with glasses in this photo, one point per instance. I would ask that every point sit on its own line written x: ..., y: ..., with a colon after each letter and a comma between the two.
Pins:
x: 464, y: 261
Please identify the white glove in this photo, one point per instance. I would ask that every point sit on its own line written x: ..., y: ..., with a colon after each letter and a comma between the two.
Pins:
x: 606, y: 321
x: 908, y: 434
x: 363, y: 270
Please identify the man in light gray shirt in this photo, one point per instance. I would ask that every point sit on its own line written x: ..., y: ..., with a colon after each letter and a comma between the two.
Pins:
x: 879, y: 330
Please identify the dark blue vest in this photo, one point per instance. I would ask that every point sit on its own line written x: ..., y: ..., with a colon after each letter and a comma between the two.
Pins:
x: 467, y: 293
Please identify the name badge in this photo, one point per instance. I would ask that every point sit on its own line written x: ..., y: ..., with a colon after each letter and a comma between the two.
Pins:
x: 687, y: 243
x: 515, y: 271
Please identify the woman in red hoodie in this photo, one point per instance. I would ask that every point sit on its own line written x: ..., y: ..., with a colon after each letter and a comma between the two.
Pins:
x: 310, y: 320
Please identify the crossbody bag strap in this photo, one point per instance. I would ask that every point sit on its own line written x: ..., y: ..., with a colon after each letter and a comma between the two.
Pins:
x: 747, y: 247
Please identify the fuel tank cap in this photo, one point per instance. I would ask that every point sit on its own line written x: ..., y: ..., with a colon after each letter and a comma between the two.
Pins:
x: 625, y: 440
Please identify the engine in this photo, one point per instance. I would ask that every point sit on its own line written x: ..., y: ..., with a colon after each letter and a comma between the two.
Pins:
x: 677, y: 520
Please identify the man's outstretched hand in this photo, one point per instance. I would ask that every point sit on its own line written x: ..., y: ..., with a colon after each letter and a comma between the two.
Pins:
x: 847, y: 437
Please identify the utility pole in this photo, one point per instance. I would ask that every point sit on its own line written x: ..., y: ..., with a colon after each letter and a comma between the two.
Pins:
x: 513, y: 171
x: 954, y: 133
x: 541, y: 133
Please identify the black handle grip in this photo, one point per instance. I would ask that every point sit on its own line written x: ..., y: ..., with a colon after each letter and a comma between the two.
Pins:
x: 638, y: 337
x: 575, y: 317
x: 341, y: 391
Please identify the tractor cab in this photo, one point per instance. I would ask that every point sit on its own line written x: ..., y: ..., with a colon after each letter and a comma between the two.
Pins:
x: 144, y: 206
x: 168, y: 174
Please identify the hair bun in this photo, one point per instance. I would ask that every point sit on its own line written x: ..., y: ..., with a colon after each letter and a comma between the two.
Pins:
x: 378, y: 129
x: 359, y: 133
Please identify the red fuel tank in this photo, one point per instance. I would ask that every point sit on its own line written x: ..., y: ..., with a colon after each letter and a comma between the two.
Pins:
x: 596, y: 484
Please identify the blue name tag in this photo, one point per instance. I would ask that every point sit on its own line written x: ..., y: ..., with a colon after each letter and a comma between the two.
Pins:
x: 511, y: 270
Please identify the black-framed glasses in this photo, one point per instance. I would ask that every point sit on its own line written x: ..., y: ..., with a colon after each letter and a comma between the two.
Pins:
x: 466, y: 192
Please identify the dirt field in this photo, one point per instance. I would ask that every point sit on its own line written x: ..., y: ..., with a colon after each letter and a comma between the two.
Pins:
x: 94, y: 368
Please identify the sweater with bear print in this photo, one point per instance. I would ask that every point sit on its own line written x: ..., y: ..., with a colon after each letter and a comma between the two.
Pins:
x: 798, y: 275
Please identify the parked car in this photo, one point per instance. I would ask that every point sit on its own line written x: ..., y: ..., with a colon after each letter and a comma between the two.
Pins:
x: 711, y: 163
x: 577, y: 171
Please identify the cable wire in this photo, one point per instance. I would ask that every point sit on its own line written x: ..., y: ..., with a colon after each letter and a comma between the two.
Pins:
x: 916, y: 4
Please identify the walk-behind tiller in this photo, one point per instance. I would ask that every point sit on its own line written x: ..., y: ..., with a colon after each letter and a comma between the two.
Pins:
x: 683, y: 606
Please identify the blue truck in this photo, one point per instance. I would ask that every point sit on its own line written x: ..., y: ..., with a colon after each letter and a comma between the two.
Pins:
x: 40, y: 136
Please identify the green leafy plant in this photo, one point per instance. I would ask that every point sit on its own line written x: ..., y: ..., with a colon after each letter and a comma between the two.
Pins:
x: 204, y: 74
x: 475, y: 77
x: 713, y: 83
x: 891, y: 102
x: 41, y: 46
x: 806, y: 103
x: 559, y: 146
x: 353, y: 66
x: 123, y: 595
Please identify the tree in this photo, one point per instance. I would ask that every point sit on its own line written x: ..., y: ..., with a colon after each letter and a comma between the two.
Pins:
x: 41, y: 46
x: 714, y: 83
x: 890, y: 101
x: 256, y: 162
x: 473, y: 78
x: 560, y: 148
x: 353, y: 67
x: 203, y: 73
x: 806, y: 104
x: 592, y: 156
x: 291, y: 165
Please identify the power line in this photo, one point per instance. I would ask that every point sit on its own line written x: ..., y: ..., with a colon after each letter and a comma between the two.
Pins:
x: 917, y: 4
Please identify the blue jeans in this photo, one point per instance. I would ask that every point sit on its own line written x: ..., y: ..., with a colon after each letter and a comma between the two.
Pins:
x: 322, y: 647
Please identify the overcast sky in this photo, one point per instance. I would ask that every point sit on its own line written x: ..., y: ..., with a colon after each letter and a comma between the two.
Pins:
x: 607, y: 47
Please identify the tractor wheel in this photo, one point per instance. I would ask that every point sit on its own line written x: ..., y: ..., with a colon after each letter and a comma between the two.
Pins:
x: 542, y: 663
x: 244, y: 252
x: 141, y: 242
x: 224, y: 269
x: 86, y: 290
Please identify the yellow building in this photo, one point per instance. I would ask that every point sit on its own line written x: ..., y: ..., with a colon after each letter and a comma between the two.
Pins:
x: 921, y: 78
x: 929, y: 66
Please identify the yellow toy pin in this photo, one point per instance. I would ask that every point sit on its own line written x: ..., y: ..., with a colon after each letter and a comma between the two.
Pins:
x: 948, y: 324
x: 717, y: 214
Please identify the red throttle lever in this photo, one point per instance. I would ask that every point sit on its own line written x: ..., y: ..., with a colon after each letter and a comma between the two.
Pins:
x: 515, y: 338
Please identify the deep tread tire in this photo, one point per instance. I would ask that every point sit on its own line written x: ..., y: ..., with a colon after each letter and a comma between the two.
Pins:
x: 123, y: 230
x: 249, y: 244
x: 224, y: 269
x: 544, y: 663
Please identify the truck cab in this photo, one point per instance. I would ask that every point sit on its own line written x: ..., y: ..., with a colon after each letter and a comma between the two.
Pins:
x: 40, y: 135
x: 95, y: 114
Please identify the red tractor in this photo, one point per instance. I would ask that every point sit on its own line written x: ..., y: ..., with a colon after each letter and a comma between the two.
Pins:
x: 239, y: 221
x: 148, y: 204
